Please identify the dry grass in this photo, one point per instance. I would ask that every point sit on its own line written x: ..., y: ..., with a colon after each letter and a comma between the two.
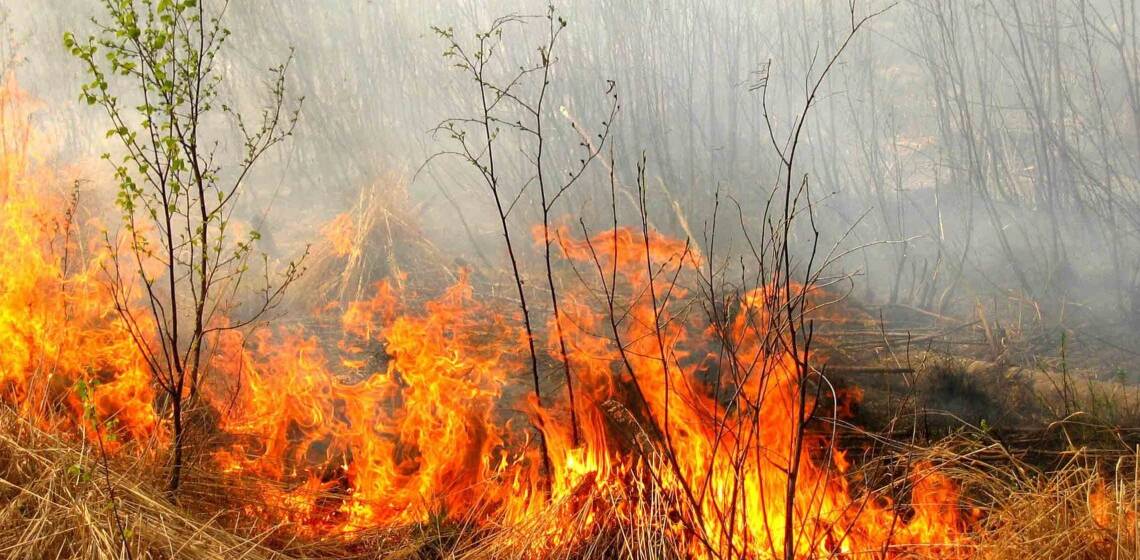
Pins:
x: 1077, y: 512
x: 379, y: 238
x: 1084, y: 509
x: 56, y: 502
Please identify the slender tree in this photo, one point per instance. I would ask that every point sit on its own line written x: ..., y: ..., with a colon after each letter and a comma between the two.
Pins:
x: 518, y: 103
x: 153, y: 69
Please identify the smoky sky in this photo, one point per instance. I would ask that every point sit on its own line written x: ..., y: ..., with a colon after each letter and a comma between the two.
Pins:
x: 956, y: 149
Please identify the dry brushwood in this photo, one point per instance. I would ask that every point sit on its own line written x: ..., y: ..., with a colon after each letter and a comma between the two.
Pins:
x: 59, y: 502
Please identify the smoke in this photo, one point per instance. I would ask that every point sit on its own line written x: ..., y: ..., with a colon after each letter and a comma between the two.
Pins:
x: 956, y: 152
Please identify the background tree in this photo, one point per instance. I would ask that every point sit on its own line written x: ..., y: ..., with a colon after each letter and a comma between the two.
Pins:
x: 153, y: 69
x: 518, y: 103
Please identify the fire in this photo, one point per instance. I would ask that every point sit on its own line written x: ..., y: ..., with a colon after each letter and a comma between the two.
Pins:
x: 339, y: 232
x: 435, y: 418
x: 1110, y: 508
x: 421, y: 411
x: 64, y: 352
x: 414, y: 434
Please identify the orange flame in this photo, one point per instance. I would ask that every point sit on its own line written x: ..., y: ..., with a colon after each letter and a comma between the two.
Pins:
x: 429, y: 425
x: 427, y: 410
x: 63, y: 352
x: 339, y: 233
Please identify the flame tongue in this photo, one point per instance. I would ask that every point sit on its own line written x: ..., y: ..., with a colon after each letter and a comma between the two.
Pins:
x: 446, y: 426
x: 422, y: 411
x: 65, y: 357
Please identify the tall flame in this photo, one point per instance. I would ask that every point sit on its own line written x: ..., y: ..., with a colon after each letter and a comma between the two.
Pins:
x: 58, y: 325
x: 436, y: 417
x: 426, y: 410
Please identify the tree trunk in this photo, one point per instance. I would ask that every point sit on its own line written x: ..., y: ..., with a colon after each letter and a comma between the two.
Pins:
x: 175, y: 479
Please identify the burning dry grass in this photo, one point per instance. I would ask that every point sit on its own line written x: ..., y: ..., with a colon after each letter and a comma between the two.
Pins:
x: 1084, y: 509
x: 59, y: 502
x: 1074, y: 513
x: 376, y: 239
x: 429, y: 452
